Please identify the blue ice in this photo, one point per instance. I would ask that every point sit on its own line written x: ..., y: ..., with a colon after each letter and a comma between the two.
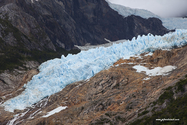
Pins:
x: 57, y: 73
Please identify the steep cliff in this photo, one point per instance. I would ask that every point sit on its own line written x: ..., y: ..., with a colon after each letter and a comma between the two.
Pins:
x: 86, y: 21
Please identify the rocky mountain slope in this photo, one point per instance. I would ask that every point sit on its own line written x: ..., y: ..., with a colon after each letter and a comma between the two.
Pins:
x: 119, y: 95
x: 136, y: 89
x: 79, y: 22
x: 33, y: 31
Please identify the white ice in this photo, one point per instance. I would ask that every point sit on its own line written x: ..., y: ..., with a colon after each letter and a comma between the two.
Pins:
x: 169, y: 23
x: 154, y: 72
x: 57, y: 110
x: 147, y: 78
x: 149, y: 54
x: 17, y: 117
x: 57, y: 73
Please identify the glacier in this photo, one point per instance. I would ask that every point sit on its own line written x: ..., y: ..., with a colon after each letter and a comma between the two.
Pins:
x: 169, y: 23
x: 127, y: 11
x: 57, y: 73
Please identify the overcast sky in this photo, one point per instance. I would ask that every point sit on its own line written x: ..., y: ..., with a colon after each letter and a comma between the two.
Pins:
x: 164, y: 8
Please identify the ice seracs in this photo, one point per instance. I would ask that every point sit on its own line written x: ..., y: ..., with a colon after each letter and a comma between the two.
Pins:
x: 57, y: 73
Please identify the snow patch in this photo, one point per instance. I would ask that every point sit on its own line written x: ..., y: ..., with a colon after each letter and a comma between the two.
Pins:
x: 32, y: 1
x: 147, y: 78
x: 57, y: 110
x: 107, y: 40
x: 33, y: 114
x: 149, y: 54
x: 16, y: 117
x: 156, y: 71
x: 138, y: 56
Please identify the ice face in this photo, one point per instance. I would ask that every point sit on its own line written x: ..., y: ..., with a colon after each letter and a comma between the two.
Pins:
x: 57, y: 73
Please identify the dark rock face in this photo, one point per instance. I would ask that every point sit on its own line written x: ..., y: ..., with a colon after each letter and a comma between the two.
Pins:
x: 47, y: 13
x: 53, y: 24
x: 4, y: 2
x: 86, y: 21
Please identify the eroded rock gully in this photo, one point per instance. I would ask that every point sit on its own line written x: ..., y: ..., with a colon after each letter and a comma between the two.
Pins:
x: 115, y: 95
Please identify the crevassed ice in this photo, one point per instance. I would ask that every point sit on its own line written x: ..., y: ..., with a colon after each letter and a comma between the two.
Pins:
x: 57, y: 73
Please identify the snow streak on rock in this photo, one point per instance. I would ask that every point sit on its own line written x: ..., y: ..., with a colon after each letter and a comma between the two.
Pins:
x: 57, y: 73
x: 57, y: 110
x: 33, y: 1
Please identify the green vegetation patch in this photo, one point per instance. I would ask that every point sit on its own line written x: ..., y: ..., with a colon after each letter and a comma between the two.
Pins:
x: 176, y: 109
x: 181, y: 84
x: 143, y: 113
x: 119, y: 118
x: 102, y: 121
x: 168, y: 94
